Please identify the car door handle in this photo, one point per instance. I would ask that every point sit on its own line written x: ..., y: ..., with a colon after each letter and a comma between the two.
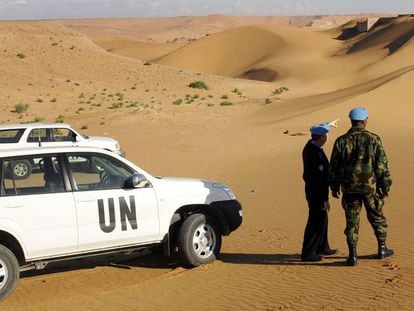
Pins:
x: 14, y: 206
x: 85, y: 200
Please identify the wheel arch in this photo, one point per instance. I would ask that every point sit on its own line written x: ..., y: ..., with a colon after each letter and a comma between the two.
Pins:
x: 13, y: 245
x: 186, y: 210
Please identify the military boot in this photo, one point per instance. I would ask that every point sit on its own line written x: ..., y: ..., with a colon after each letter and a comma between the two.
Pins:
x: 384, y: 251
x: 352, y: 259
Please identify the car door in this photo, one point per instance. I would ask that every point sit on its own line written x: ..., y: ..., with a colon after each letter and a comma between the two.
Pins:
x: 39, y: 206
x: 108, y: 214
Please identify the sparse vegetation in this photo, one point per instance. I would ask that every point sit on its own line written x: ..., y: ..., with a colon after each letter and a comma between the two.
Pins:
x: 21, y: 55
x: 268, y: 101
x: 53, y: 100
x: 60, y: 119
x: 198, y: 85
x: 237, y: 91
x: 21, y: 108
x: 39, y: 100
x: 84, y: 127
x: 226, y: 103
x: 147, y: 64
x: 38, y: 119
x: 116, y: 105
x: 280, y: 90
x: 224, y: 97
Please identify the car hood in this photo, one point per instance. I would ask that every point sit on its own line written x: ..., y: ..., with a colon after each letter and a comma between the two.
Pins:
x: 192, y: 187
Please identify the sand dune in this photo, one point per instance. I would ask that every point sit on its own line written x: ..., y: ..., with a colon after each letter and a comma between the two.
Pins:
x: 387, y: 33
x: 62, y: 72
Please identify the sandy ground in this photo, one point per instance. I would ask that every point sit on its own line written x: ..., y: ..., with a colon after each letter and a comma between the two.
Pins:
x: 170, y: 129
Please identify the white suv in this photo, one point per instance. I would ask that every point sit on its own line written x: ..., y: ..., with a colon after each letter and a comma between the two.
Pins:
x: 82, y: 201
x: 57, y: 134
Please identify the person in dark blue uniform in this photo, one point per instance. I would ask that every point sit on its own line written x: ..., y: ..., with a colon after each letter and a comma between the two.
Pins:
x: 315, y: 175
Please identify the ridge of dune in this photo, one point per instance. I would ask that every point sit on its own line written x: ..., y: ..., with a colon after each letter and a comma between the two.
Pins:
x: 310, y: 104
x: 226, y: 53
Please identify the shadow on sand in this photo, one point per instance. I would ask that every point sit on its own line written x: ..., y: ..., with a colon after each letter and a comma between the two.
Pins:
x: 156, y: 261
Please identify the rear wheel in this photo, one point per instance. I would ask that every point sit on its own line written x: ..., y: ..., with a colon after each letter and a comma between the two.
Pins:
x: 9, y: 272
x: 199, y: 240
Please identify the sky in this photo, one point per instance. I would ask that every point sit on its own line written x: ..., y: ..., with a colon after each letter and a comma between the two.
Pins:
x: 54, y: 9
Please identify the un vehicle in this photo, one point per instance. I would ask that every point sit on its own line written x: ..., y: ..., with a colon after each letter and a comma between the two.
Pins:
x: 84, y: 201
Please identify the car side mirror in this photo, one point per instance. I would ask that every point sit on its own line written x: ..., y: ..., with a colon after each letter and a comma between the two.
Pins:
x: 137, y: 180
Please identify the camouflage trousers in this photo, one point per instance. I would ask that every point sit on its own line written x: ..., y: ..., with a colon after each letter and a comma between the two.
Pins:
x: 373, y: 203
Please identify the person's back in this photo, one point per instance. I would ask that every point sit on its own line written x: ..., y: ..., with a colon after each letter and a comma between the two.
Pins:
x: 359, y: 167
x: 359, y: 163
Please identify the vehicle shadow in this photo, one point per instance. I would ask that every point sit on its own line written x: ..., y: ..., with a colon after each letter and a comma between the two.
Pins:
x: 150, y: 260
x: 120, y: 261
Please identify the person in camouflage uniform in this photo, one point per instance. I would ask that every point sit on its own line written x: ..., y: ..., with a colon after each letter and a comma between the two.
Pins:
x: 359, y: 167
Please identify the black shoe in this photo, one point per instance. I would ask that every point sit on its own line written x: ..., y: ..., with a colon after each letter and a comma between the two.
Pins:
x: 384, y: 251
x: 328, y: 252
x: 313, y: 257
x: 353, y: 257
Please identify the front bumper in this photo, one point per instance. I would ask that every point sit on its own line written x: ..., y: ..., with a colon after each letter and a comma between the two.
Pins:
x: 232, y: 211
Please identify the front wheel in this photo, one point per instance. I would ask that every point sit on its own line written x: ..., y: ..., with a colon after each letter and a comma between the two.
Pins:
x: 9, y: 272
x: 199, y: 240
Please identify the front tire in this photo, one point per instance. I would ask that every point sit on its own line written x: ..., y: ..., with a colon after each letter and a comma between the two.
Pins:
x: 9, y: 272
x: 199, y: 240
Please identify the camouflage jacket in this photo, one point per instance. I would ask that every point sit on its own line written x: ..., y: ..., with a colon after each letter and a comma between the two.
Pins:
x: 359, y: 164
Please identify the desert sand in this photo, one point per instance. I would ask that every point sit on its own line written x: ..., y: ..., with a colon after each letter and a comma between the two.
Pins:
x: 268, y: 82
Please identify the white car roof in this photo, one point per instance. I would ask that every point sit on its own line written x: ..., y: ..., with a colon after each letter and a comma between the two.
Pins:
x: 45, y: 150
x: 33, y: 125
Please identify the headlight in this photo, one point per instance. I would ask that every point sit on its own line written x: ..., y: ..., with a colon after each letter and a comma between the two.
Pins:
x: 225, y: 189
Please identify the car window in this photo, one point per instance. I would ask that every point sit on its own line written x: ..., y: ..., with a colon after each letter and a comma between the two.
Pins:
x: 63, y: 134
x: 37, y: 135
x: 98, y: 172
x: 31, y: 175
x: 10, y: 136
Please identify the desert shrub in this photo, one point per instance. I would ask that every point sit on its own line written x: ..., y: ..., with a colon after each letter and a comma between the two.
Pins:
x: 268, y: 101
x: 224, y: 97
x: 147, y: 63
x: 237, y: 91
x: 53, y: 100
x: 21, y: 55
x: 116, y: 105
x: 178, y: 102
x: 280, y: 90
x: 84, y: 127
x: 60, y: 119
x: 39, y: 119
x: 21, y: 107
x: 198, y: 85
x: 39, y: 100
x: 226, y: 103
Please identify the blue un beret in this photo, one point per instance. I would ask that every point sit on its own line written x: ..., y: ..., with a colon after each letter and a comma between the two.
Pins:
x: 320, y: 129
x: 358, y: 114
